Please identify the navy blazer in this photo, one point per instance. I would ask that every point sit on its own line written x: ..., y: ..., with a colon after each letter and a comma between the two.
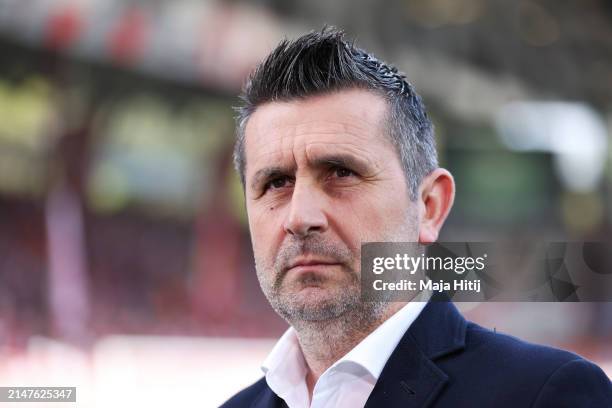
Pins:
x: 445, y: 361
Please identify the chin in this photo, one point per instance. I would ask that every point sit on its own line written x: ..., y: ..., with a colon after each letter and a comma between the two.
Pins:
x: 317, y: 304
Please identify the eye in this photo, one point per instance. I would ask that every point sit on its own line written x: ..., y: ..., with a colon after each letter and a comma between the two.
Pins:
x: 342, y: 172
x: 276, y: 183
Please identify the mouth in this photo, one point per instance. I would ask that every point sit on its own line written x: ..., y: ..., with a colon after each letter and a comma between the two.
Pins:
x: 304, y: 265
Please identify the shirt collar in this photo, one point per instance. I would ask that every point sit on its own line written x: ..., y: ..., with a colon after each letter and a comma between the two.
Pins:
x: 373, y: 352
x: 286, y: 358
x: 285, y: 369
x: 286, y: 363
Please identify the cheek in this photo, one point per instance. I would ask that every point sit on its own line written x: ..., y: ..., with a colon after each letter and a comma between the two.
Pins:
x: 381, y: 217
x: 265, y: 229
x: 357, y: 218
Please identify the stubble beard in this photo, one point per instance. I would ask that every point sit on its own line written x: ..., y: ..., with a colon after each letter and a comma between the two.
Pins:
x: 337, y: 304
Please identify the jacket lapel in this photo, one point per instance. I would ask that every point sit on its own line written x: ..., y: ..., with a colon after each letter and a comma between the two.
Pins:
x: 411, y: 378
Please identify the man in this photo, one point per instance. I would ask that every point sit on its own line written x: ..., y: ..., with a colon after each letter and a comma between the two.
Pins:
x: 335, y: 149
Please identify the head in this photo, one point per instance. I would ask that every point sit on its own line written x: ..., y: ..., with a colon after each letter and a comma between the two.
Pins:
x: 334, y: 148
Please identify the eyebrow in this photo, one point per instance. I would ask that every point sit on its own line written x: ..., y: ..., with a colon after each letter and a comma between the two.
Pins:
x: 340, y: 159
x: 268, y: 173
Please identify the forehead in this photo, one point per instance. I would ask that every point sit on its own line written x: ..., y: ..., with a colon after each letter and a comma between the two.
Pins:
x: 351, y: 120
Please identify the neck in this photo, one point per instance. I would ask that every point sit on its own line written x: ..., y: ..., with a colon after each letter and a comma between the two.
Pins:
x: 325, y: 342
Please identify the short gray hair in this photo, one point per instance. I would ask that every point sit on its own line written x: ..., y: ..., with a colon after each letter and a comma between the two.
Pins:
x: 321, y: 62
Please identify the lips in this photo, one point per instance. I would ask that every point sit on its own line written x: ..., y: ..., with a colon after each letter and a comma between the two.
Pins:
x: 312, y: 263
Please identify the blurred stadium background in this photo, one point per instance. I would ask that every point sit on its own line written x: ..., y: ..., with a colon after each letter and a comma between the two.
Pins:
x: 125, y: 261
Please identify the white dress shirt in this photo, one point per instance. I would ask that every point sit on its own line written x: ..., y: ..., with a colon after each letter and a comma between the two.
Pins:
x: 350, y: 380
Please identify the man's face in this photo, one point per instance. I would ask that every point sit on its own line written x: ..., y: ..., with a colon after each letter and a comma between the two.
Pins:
x: 322, y: 177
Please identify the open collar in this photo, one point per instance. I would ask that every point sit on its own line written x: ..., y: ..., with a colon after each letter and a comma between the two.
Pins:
x: 410, y: 379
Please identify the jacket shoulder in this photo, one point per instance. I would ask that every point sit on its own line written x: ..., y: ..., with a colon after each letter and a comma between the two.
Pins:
x: 546, y: 376
x: 516, y: 351
x: 247, y: 396
x: 577, y: 383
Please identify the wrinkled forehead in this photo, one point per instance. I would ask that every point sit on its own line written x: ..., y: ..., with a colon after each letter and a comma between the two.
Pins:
x: 353, y: 120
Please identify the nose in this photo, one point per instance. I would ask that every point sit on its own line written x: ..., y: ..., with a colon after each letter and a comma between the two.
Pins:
x: 306, y: 213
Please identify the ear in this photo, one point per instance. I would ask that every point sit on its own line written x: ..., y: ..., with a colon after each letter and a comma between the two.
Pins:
x: 436, y: 197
